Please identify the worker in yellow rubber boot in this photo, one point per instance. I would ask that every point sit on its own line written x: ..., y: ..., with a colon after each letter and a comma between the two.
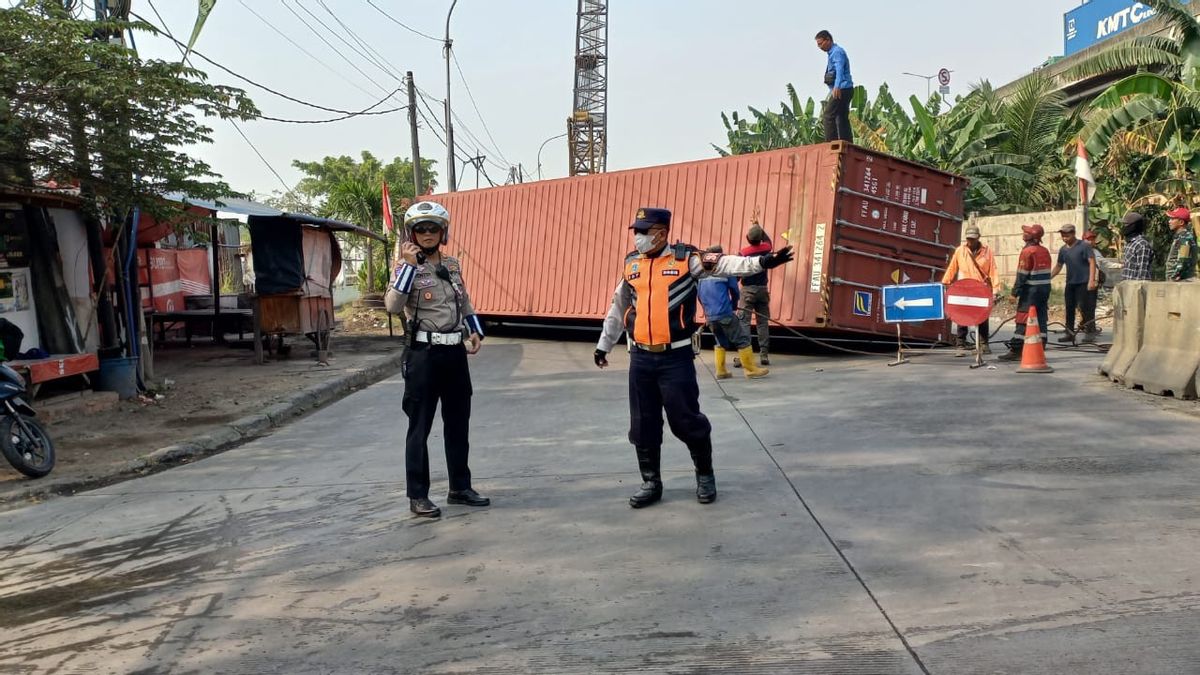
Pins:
x: 718, y: 296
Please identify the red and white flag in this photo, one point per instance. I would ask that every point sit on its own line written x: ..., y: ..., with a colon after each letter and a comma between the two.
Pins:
x: 387, y: 210
x: 1083, y: 171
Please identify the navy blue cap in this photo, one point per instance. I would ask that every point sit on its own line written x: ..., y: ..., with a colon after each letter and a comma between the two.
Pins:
x: 648, y: 217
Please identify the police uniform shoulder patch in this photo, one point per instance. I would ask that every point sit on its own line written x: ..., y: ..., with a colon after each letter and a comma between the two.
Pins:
x: 709, y: 260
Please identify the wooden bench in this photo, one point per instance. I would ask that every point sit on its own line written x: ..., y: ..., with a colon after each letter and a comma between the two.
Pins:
x: 55, y: 367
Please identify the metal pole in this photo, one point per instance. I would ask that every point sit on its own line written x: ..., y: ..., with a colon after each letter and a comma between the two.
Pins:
x: 539, y: 155
x: 446, y: 46
x: 416, y: 143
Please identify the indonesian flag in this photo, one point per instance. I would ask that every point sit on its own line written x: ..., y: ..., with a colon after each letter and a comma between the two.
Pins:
x: 1083, y: 171
x: 387, y: 209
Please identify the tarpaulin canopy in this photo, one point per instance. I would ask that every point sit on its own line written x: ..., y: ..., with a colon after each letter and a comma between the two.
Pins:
x: 251, y: 208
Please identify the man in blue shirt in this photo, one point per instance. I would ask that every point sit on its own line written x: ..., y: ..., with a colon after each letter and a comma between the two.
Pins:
x: 841, y: 90
x: 718, y: 296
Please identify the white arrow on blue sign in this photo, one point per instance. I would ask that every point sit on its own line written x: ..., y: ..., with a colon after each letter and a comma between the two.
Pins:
x: 912, y: 303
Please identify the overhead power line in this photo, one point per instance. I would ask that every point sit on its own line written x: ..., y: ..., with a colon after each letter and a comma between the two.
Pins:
x: 495, y: 145
x: 406, y: 27
x: 297, y: 45
x: 345, y: 114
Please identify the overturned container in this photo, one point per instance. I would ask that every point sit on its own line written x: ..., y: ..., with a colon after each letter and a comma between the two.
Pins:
x: 859, y: 220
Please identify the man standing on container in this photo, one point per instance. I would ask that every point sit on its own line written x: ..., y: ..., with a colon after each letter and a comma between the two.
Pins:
x: 443, y: 329
x: 1081, y: 282
x: 1181, y: 261
x: 756, y: 299
x: 973, y: 260
x: 1032, y: 288
x: 655, y: 304
x: 841, y: 90
x: 1138, y: 258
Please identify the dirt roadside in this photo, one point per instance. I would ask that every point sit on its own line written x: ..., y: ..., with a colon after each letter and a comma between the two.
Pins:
x: 204, y: 388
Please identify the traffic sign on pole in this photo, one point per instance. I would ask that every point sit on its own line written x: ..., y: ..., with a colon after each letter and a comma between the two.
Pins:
x: 944, y: 77
x: 911, y: 303
x: 969, y: 302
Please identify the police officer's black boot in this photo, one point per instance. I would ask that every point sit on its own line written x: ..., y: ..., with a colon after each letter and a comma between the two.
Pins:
x: 651, y: 492
x: 706, y: 480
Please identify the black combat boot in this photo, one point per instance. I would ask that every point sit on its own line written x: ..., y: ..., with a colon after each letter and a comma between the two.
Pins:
x: 706, y: 481
x: 648, y: 464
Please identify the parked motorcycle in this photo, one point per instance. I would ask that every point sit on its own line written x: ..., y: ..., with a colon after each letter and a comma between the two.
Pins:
x: 23, y: 440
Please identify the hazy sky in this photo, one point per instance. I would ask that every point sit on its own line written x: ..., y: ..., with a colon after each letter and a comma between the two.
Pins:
x: 674, y: 65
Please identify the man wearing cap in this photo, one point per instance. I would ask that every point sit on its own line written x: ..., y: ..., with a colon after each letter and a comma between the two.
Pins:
x: 655, y: 304
x: 1138, y: 257
x: 718, y: 297
x: 1181, y: 261
x: 756, y: 299
x: 973, y: 260
x: 1032, y: 288
x: 1081, y: 282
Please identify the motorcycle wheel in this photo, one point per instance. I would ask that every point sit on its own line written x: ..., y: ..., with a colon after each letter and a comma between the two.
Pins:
x: 32, y: 456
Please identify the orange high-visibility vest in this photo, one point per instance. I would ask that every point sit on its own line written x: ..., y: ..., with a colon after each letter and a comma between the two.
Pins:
x: 663, y: 303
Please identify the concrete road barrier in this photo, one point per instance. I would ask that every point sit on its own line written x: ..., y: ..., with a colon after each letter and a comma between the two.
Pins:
x: 1129, y: 317
x: 1170, y: 353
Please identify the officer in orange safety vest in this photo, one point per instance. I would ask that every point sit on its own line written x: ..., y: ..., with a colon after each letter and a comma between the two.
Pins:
x: 973, y: 260
x: 655, y: 304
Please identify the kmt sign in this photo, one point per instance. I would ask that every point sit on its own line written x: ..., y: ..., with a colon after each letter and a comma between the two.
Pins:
x: 1098, y: 20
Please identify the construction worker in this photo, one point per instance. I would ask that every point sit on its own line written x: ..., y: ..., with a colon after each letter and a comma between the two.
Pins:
x: 655, y: 304
x: 718, y: 296
x: 428, y: 289
x: 1080, y: 261
x: 1181, y: 260
x: 973, y: 260
x: 1031, y: 291
x: 756, y: 299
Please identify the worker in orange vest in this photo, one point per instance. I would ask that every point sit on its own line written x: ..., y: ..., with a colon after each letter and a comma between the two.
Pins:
x: 655, y: 304
x: 973, y: 260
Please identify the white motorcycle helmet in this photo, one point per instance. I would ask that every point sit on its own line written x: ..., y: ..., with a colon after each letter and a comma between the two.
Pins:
x: 427, y: 212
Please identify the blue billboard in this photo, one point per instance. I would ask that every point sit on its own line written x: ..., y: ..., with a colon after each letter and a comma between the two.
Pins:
x: 1097, y: 20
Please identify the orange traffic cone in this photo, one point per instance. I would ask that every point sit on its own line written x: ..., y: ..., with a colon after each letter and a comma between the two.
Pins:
x: 1033, y: 354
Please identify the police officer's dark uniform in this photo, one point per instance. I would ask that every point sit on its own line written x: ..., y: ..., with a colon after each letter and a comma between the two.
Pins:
x: 655, y: 304
x: 441, y: 320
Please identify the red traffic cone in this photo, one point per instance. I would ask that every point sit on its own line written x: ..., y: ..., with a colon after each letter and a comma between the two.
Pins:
x: 1033, y: 354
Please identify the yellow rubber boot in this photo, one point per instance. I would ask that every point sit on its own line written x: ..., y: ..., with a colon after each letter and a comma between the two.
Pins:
x: 719, y: 357
x: 746, y: 356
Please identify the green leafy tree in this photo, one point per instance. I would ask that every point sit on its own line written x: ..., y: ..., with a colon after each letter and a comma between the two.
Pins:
x: 79, y: 109
x: 352, y: 190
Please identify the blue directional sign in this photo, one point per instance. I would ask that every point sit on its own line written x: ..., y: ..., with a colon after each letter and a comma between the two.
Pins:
x: 912, y: 303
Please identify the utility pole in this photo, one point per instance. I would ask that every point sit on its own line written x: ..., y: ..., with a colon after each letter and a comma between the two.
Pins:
x: 446, y: 47
x: 416, y: 143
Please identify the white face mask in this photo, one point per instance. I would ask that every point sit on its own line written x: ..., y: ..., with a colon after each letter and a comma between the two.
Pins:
x: 644, y: 243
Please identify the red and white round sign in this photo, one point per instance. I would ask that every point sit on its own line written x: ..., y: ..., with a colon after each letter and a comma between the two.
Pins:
x: 968, y: 302
x: 944, y: 77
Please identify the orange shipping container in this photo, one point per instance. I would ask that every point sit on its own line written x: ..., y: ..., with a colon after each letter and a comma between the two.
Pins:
x: 859, y: 220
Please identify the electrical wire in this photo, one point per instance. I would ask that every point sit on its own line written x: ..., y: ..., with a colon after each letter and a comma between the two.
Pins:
x: 406, y: 27
x: 358, y: 51
x: 297, y: 45
x: 335, y: 50
x: 463, y: 77
x: 346, y: 114
x: 289, y: 189
x: 377, y: 59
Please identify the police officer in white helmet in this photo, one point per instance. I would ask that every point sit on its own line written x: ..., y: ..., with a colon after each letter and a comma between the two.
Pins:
x: 428, y: 289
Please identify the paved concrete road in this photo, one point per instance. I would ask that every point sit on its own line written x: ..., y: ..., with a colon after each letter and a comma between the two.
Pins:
x: 920, y: 519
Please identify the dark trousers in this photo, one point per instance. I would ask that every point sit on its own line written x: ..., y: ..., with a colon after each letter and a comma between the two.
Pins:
x: 1033, y: 299
x: 664, y: 381
x: 435, y: 373
x: 983, y: 331
x: 1078, y: 296
x: 756, y: 302
x: 836, y: 117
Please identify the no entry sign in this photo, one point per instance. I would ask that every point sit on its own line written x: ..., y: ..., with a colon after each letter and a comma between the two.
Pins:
x: 968, y: 302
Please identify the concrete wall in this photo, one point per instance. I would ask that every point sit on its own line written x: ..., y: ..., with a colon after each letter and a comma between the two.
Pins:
x: 1003, y: 235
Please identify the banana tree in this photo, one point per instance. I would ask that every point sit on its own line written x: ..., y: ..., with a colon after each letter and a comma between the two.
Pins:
x: 1156, y: 110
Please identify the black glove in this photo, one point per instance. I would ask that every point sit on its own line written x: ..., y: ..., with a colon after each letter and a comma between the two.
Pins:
x: 601, y: 358
x: 783, y: 255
